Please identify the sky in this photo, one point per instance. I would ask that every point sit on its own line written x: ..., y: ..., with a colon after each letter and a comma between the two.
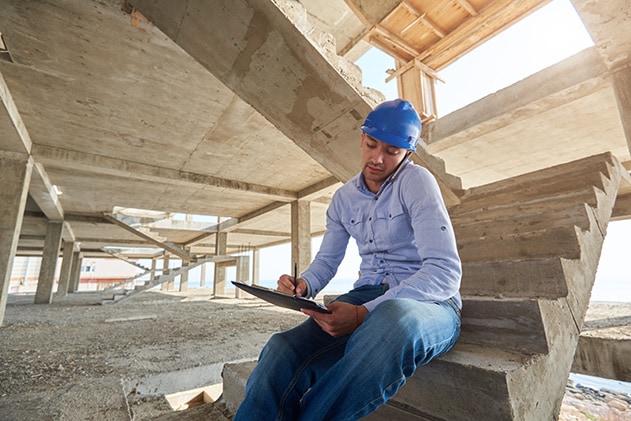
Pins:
x: 542, y: 39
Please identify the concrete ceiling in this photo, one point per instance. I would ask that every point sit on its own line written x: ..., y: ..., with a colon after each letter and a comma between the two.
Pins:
x: 237, y: 108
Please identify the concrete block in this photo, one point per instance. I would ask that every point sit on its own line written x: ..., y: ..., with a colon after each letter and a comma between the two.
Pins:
x: 235, y: 377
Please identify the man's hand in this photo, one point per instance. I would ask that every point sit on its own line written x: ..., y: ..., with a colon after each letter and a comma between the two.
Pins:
x: 286, y: 284
x: 343, y: 320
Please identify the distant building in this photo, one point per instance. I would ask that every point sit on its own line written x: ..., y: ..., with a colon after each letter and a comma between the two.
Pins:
x: 96, y: 274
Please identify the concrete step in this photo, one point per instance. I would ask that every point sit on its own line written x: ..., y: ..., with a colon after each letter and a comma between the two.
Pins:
x: 522, y: 223
x: 544, y: 243
x: 470, y: 381
x: 511, y: 325
x: 553, y: 180
x: 533, y: 278
x: 557, y: 202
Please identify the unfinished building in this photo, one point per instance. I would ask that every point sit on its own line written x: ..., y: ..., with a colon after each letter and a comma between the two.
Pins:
x: 214, y: 108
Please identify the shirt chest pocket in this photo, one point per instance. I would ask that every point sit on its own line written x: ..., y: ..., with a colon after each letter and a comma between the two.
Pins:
x: 393, y: 222
x: 357, y: 225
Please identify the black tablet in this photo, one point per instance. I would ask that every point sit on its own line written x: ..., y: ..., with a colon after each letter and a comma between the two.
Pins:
x: 281, y: 299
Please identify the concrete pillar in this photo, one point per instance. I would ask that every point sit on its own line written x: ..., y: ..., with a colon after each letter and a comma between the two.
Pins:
x: 66, y: 267
x: 165, y: 270
x: 152, y: 275
x: 256, y: 266
x: 243, y: 273
x: 171, y: 283
x: 184, y: 281
x: 50, y: 254
x: 15, y: 172
x: 202, y: 276
x: 75, y: 272
x: 300, y: 234
x: 221, y: 248
x: 622, y: 89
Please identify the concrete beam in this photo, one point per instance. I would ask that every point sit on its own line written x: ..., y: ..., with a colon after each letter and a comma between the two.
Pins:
x: 15, y: 137
x: 99, y: 164
x: 622, y: 89
x: 572, y: 78
x: 262, y: 54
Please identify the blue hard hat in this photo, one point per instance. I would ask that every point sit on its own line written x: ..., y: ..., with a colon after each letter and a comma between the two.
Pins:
x: 394, y: 122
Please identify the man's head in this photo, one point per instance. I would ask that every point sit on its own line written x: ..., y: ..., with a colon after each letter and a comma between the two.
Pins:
x: 389, y: 135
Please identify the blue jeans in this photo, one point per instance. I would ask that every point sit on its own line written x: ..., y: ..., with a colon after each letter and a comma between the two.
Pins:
x: 305, y: 374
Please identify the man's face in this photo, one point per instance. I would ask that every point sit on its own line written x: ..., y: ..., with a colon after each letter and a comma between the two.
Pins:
x: 379, y: 160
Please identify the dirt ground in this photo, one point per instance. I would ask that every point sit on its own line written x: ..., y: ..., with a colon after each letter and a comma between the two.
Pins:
x: 78, y: 360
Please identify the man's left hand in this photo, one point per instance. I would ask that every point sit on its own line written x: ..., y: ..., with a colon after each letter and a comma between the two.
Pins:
x: 343, y: 320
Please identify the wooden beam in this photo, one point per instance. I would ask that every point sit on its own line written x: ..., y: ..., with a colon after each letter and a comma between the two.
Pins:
x: 424, y: 20
x: 396, y: 40
x: 415, y: 63
x: 468, y: 7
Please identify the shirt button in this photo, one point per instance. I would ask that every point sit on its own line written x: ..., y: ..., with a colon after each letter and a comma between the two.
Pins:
x: 370, y: 219
x: 370, y: 241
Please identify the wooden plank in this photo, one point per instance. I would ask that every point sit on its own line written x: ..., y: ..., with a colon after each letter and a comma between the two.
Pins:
x: 468, y: 7
x: 423, y: 19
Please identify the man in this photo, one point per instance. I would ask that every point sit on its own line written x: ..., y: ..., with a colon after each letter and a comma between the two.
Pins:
x: 404, y: 309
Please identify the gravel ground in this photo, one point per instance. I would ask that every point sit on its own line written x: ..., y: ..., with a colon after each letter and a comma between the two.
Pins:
x: 77, y: 360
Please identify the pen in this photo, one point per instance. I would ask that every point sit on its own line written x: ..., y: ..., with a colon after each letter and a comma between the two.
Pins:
x: 295, y: 277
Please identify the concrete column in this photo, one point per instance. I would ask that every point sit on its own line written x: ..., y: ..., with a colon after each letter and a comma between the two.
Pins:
x: 50, y: 254
x: 243, y: 273
x: 66, y: 267
x: 300, y: 234
x: 152, y: 275
x: 75, y: 272
x: 171, y: 283
x: 622, y: 89
x: 184, y: 281
x: 165, y: 270
x: 15, y: 172
x: 202, y: 276
x: 221, y: 248
x: 256, y: 266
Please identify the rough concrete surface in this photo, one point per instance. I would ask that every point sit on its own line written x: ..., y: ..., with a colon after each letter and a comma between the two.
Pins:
x: 74, y: 360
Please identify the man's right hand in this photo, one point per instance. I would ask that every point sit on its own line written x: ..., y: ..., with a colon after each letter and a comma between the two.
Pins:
x: 286, y: 284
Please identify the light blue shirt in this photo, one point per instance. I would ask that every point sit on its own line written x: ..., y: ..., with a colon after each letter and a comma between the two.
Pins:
x: 403, y: 234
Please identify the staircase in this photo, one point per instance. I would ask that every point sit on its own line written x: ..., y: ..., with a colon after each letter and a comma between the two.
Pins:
x: 167, y: 275
x: 530, y: 246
